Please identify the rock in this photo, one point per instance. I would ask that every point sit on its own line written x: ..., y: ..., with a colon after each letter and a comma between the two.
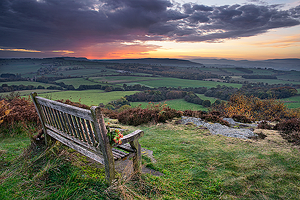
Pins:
x: 218, y: 129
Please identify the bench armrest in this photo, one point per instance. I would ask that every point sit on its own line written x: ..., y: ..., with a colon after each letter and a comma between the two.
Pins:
x: 132, y: 136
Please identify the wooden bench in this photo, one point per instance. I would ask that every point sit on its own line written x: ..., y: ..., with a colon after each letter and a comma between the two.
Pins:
x: 85, y: 131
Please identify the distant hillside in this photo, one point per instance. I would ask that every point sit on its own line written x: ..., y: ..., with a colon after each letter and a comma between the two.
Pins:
x: 278, y: 64
x: 157, y: 61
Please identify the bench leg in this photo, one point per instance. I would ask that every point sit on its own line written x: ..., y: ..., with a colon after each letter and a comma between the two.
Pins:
x: 109, y: 167
x: 137, y: 158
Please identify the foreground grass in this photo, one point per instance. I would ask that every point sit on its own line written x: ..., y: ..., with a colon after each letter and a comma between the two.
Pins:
x: 196, y: 165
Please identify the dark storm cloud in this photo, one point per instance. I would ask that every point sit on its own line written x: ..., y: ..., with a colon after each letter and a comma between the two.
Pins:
x: 70, y: 24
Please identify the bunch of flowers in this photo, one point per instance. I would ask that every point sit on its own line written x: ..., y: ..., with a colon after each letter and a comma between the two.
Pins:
x: 114, y: 135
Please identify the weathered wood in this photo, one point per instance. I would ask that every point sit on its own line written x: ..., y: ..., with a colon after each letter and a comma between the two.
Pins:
x: 39, y: 111
x: 71, y: 125
x: 76, y: 147
x: 137, y: 158
x: 84, y: 144
x: 90, y: 132
x: 85, y: 131
x: 72, y: 110
x: 126, y: 147
x: 132, y: 136
x: 106, y: 149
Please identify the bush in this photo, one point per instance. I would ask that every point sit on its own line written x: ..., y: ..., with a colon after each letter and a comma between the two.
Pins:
x: 255, y: 109
x: 206, y: 103
x: 290, y: 130
x: 214, y: 116
x: 264, y: 125
x: 241, y: 118
x: 21, y: 110
x: 153, y: 113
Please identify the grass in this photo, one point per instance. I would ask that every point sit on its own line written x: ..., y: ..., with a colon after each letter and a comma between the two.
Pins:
x: 76, y: 82
x: 27, y: 92
x: 88, y: 72
x: 292, y: 102
x: 175, y: 82
x: 202, y: 166
x: 88, y: 97
x: 122, y: 79
x: 27, y: 83
x: 195, y: 164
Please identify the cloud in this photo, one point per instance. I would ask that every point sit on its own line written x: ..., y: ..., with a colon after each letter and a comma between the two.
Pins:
x: 48, y: 25
x: 288, y: 41
x: 21, y: 50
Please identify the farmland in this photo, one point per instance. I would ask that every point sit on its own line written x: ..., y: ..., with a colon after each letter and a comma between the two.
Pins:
x: 59, y: 73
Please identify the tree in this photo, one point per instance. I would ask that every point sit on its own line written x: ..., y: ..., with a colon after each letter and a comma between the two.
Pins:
x: 206, y: 103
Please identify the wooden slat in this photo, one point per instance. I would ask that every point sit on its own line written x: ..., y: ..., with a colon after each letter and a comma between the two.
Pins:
x: 52, y: 114
x: 72, y: 110
x: 79, y: 142
x: 63, y: 122
x: 77, y: 147
x: 83, y: 125
x: 67, y: 124
x: 71, y: 125
x: 79, y: 125
x: 46, y: 111
x: 59, y: 121
x: 132, y: 136
x: 126, y: 147
x: 121, y: 153
x: 91, y: 133
x: 78, y: 135
x: 44, y: 114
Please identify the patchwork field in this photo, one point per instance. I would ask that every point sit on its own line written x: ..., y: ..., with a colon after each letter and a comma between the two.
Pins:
x: 175, y: 82
x: 178, y: 104
x: 88, y: 97
x: 27, y: 83
x: 76, y: 82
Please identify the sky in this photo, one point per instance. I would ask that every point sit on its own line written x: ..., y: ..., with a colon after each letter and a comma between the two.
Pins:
x: 120, y: 29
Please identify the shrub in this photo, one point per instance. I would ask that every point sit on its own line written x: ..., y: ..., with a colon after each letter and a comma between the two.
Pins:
x: 67, y: 101
x: 21, y: 110
x: 264, y: 125
x: 153, y: 113
x: 241, y: 118
x: 290, y: 130
x: 213, y: 116
x: 255, y: 109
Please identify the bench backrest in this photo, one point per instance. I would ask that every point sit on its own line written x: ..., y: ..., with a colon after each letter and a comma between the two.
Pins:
x: 85, y: 128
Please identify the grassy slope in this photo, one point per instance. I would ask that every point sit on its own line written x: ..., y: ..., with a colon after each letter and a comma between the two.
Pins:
x: 196, y: 165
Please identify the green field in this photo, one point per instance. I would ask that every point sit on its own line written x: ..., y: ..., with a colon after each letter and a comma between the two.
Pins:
x: 269, y: 81
x: 88, y: 72
x: 88, y: 97
x: 26, y: 93
x: 76, y: 82
x: 178, y: 104
x: 122, y: 79
x: 292, y: 102
x: 20, y: 67
x: 212, y: 99
x: 27, y: 83
x: 176, y: 82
